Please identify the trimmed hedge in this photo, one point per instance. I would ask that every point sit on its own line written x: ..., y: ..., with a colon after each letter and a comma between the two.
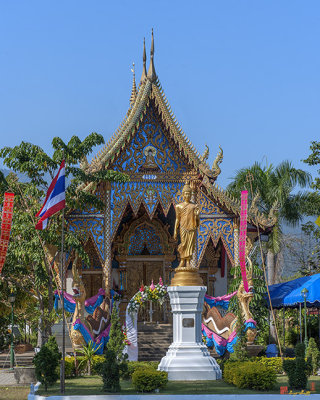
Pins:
x: 274, y: 362
x: 139, y: 365
x: 250, y: 375
x: 148, y: 379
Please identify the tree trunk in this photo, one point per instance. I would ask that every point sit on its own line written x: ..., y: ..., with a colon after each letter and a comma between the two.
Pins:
x: 50, y: 273
x: 271, y: 278
x: 270, y: 267
x: 39, y: 339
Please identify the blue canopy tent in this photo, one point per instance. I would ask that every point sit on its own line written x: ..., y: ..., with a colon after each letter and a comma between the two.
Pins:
x: 288, y: 295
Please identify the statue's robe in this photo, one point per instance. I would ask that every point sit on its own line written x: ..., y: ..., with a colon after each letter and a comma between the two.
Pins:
x: 188, y: 229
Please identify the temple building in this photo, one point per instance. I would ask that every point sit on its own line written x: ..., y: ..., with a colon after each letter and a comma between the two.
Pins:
x: 131, y: 242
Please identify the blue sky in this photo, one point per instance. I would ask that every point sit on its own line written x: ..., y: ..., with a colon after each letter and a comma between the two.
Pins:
x: 242, y: 74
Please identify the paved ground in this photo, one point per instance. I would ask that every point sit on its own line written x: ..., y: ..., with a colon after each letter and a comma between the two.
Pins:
x: 7, y: 378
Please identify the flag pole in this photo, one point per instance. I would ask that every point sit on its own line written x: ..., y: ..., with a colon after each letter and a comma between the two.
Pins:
x: 62, y: 368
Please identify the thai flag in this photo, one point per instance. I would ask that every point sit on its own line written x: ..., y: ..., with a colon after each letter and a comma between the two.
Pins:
x: 55, y: 199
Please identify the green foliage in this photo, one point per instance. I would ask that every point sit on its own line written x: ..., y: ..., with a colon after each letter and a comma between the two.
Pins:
x: 313, y: 355
x: 300, y: 350
x: 277, y: 189
x: 46, y: 363
x: 88, y: 353
x: 240, y: 348
x: 116, y: 342
x: 148, y: 379
x: 258, y: 302
x: 26, y: 268
x: 292, y: 336
x: 297, y: 369
x: 70, y: 367
x: 314, y: 159
x: 250, y: 375
x: 138, y: 365
x: 4, y: 333
x: 110, y: 372
x: 272, y: 362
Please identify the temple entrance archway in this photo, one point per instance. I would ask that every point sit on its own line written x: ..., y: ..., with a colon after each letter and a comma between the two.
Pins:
x: 144, y: 252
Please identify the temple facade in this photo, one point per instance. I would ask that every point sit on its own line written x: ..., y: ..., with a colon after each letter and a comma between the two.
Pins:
x: 131, y: 242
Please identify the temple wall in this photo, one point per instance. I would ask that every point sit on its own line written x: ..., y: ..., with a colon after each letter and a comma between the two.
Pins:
x: 221, y: 284
x: 69, y: 280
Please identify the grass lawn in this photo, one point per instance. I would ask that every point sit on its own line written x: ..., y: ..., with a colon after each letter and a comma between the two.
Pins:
x: 92, y: 385
x: 14, y: 393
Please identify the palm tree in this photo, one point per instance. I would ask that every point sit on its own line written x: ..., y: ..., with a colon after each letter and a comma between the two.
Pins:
x: 275, y: 184
x: 88, y: 351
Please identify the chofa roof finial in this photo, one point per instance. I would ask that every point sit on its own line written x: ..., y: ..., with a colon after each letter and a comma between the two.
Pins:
x: 152, y: 72
x: 144, y: 69
x: 134, y: 87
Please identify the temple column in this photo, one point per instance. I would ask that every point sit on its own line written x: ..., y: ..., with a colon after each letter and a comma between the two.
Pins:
x: 107, y: 240
x: 167, y: 268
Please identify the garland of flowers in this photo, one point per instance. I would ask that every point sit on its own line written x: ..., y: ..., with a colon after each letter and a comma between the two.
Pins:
x: 126, y: 341
x: 155, y: 293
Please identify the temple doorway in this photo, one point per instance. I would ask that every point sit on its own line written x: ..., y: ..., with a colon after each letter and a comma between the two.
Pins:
x: 143, y: 252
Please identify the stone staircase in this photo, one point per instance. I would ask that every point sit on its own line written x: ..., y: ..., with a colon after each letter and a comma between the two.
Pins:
x: 21, y: 360
x: 153, y: 340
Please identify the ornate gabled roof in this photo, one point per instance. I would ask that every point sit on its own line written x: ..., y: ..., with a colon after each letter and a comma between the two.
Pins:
x: 150, y: 90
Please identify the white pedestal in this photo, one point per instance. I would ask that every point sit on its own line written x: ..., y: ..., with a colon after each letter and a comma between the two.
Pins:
x: 187, y: 358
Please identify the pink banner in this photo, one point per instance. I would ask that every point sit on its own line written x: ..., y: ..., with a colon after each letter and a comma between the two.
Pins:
x: 7, y: 213
x: 225, y: 297
x: 242, y: 237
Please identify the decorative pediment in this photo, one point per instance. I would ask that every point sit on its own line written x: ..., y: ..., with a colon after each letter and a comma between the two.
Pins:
x: 150, y: 151
x: 145, y: 237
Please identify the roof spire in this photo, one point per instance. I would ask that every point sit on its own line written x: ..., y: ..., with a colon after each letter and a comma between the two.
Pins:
x: 134, y: 87
x: 144, y: 69
x: 152, y: 72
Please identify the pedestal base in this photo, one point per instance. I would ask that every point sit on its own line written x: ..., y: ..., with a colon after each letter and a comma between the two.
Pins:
x: 187, y: 358
x: 190, y: 362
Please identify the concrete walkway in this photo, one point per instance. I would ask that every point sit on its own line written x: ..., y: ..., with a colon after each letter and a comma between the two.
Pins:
x: 7, y: 378
x: 180, y: 397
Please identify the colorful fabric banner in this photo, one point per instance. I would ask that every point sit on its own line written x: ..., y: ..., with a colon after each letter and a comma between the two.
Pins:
x: 90, y: 304
x: 243, y: 237
x: 7, y: 213
x: 99, y: 342
x: 222, y: 301
x: 221, y: 344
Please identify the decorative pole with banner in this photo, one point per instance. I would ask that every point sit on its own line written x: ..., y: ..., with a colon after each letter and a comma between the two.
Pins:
x: 243, y: 237
x: 7, y: 213
x: 55, y: 201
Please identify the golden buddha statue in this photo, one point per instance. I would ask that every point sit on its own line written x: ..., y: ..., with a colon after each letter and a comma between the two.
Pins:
x: 187, y: 221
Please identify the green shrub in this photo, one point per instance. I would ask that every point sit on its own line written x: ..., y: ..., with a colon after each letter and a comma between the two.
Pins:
x: 46, y: 363
x: 139, y: 365
x: 297, y: 369
x: 273, y: 362
x: 250, y: 375
x: 300, y: 350
x: 313, y: 355
x: 110, y: 372
x: 70, y: 368
x: 148, y: 379
x: 96, y: 364
x: 292, y: 336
